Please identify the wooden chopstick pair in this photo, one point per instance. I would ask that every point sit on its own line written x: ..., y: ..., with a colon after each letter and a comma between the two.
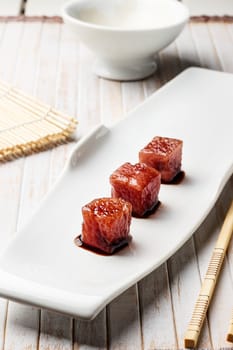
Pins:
x: 208, y: 285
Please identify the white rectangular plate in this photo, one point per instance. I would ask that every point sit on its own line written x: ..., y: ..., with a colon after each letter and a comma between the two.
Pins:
x: 42, y: 266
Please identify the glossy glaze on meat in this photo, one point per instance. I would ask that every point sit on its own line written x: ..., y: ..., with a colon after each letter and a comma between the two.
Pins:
x: 163, y: 154
x: 138, y: 184
x: 106, y: 224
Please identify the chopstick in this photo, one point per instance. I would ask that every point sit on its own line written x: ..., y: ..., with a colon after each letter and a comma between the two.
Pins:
x: 230, y: 331
x: 208, y: 285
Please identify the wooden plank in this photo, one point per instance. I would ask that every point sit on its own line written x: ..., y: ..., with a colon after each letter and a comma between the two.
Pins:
x: 153, y: 83
x: 10, y: 174
x: 209, y: 7
x: 3, y: 316
x: 132, y: 95
x: 229, y: 27
x: 111, y: 101
x: 44, y: 7
x: 124, y: 329
x: 222, y: 42
x: 10, y: 43
x: 66, y: 94
x: 10, y: 7
x: 91, y: 335
x: 55, y: 332
x: 88, y: 108
x: 187, y: 50
x: 205, y: 48
x: 169, y: 63
x: 156, y: 311
x: 22, y: 327
x: 22, y: 321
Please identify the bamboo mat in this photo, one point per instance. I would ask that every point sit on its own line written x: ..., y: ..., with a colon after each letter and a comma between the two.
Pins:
x: 28, y: 126
x: 39, y: 56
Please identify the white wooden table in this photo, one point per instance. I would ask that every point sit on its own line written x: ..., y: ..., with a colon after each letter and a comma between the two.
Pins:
x: 41, y: 57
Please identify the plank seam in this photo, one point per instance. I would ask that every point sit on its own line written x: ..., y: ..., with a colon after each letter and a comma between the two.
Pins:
x: 171, y: 302
x: 5, y: 325
x: 140, y: 316
x: 39, y: 328
x: 229, y: 32
x: 108, y: 329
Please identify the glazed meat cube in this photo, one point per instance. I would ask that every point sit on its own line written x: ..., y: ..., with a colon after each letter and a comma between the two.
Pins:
x: 106, y: 224
x: 163, y: 154
x: 138, y: 184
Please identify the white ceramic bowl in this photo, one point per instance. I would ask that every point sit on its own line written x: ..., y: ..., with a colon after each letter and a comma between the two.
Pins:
x: 125, y: 35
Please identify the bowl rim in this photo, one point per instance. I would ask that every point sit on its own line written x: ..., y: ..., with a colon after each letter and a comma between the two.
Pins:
x: 89, y: 25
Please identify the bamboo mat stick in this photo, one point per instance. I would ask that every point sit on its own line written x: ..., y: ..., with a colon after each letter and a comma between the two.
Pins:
x: 208, y: 285
x: 230, y: 331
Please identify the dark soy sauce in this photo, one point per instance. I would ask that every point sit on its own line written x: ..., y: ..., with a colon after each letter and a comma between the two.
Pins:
x: 149, y: 212
x: 177, y: 179
x: 113, y: 249
x: 152, y: 210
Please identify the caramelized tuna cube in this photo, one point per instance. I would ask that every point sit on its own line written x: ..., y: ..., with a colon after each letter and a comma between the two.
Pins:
x: 163, y: 154
x: 138, y: 184
x: 106, y: 224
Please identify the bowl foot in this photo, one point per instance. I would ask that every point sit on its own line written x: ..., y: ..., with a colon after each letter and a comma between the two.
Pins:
x: 135, y: 70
